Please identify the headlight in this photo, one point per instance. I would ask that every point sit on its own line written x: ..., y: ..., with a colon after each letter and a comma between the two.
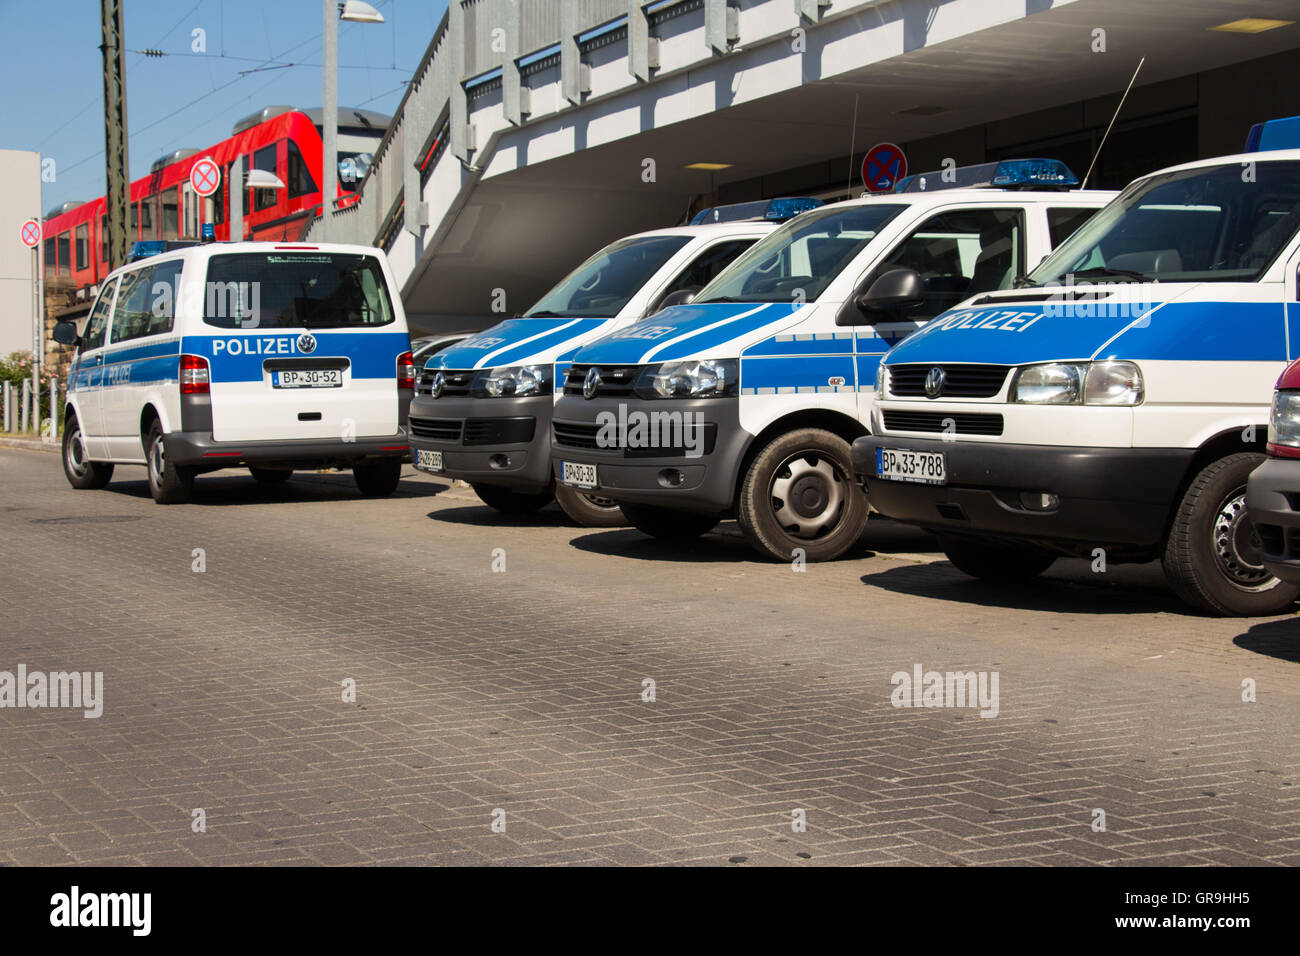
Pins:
x: 1284, y: 422
x: 1085, y: 383
x: 880, y: 380
x: 711, y: 378
x: 513, y: 382
x: 1048, y: 385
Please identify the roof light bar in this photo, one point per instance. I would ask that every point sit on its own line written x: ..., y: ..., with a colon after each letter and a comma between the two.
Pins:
x: 1004, y: 174
x: 772, y: 210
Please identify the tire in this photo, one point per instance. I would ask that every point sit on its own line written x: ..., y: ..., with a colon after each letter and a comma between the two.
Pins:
x: 378, y: 479
x: 271, y: 476
x: 81, y: 472
x: 588, y: 510
x: 511, y: 502
x: 168, y: 483
x: 799, y: 492
x: 995, y: 561
x: 666, y: 524
x: 1212, y: 557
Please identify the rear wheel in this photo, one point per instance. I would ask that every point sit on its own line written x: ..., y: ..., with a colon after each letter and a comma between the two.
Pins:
x: 1212, y: 555
x: 377, y: 479
x: 511, y: 502
x: 82, y: 473
x: 667, y: 524
x: 271, y: 476
x: 589, y: 510
x: 994, y: 560
x: 799, y: 492
x: 168, y: 483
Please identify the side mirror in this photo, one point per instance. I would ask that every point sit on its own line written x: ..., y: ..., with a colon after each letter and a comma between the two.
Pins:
x: 889, y: 296
x: 65, y: 333
x: 680, y: 297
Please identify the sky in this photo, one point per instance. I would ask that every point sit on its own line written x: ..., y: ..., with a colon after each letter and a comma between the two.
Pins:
x: 51, y: 66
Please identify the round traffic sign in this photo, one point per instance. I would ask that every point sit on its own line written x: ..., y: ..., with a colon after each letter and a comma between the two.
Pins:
x: 205, y: 176
x: 30, y: 233
x: 882, y: 167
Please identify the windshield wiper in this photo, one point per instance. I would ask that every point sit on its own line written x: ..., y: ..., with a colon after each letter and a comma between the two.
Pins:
x: 1024, y: 282
x: 1097, y: 272
x: 547, y: 314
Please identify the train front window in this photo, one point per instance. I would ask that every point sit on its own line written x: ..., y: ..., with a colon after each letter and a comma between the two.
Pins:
x: 264, y: 159
x: 299, y: 182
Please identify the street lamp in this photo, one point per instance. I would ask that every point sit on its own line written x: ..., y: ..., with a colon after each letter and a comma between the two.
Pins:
x: 353, y: 11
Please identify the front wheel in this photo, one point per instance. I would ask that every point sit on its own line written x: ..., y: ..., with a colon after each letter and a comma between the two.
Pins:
x: 377, y: 479
x: 169, y: 484
x: 511, y: 502
x: 589, y: 510
x: 667, y: 524
x: 81, y: 472
x: 799, y: 493
x: 995, y: 561
x: 1212, y: 554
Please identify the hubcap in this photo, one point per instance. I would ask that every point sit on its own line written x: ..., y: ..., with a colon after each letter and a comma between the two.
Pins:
x: 76, y: 453
x: 808, y: 495
x: 1236, y: 544
x: 157, y: 460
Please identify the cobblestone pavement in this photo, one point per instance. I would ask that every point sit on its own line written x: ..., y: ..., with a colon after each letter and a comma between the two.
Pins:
x: 521, y: 692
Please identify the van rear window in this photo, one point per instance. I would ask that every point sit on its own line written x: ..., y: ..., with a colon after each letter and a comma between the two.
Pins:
x: 296, y: 290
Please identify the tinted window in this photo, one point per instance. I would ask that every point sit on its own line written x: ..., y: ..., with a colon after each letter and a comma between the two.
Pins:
x: 171, y: 214
x: 1063, y: 223
x: 1210, y: 224
x: 164, y: 291
x: 605, y: 283
x: 300, y: 182
x: 83, y: 246
x: 281, y: 290
x: 705, y: 268
x: 131, y: 314
x: 97, y: 324
x: 264, y: 159
x: 51, y: 258
x: 802, y: 257
x: 65, y: 254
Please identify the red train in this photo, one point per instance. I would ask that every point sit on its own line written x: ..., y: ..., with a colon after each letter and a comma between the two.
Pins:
x: 278, y: 139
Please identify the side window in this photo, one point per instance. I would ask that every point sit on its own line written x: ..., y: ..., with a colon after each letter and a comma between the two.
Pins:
x: 97, y: 324
x: 170, y: 205
x: 65, y: 253
x: 704, y: 268
x: 164, y: 292
x: 1061, y: 223
x: 264, y: 159
x: 961, y: 253
x: 83, y: 246
x: 131, y: 314
x: 299, y: 182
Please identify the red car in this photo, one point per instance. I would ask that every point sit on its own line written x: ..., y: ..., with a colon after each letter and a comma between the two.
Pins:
x: 1273, y: 491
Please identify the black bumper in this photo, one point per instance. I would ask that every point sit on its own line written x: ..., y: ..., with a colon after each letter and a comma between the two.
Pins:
x: 666, y: 477
x: 1107, y: 497
x: 1272, y: 496
x: 481, y: 449
x: 197, y: 449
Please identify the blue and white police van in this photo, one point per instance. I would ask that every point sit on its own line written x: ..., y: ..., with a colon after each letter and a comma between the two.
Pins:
x: 482, y: 409
x: 1113, y: 405
x: 224, y: 355
x: 744, y: 402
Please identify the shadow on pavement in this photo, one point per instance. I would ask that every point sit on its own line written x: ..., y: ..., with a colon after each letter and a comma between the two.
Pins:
x: 234, y: 488
x: 1279, y: 639
x: 477, y: 514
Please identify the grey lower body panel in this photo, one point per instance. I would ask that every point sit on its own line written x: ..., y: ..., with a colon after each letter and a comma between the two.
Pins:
x: 198, y: 449
x: 476, y: 445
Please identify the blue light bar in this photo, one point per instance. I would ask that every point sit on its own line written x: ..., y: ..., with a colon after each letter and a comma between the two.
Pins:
x: 1006, y: 174
x: 772, y: 210
x: 1283, y: 133
x: 208, y: 233
x: 153, y: 247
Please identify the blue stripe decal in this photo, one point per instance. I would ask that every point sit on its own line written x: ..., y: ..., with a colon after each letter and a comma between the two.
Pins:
x: 808, y: 373
x: 867, y: 365
x: 713, y: 338
x: 518, y: 355
x: 127, y: 353
x: 239, y: 358
x: 471, y: 351
x: 1206, y: 331
x: 636, y: 343
x: 153, y: 371
x: 808, y: 343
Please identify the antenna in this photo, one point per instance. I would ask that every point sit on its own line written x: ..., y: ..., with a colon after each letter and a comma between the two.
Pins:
x: 1084, y: 184
x: 853, y: 144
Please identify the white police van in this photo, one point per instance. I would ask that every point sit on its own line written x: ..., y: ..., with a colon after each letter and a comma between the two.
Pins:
x: 1112, y: 406
x: 222, y: 355
x: 482, y: 408
x: 767, y: 375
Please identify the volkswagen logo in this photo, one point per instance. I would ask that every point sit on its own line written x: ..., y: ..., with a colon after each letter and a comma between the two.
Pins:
x: 306, y: 343
x: 439, y: 383
x: 934, y: 380
x: 591, y: 384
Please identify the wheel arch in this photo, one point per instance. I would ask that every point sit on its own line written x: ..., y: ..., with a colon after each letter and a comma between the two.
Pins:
x: 839, y: 423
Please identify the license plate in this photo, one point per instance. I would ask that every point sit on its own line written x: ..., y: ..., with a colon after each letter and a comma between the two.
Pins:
x: 573, y: 473
x: 924, y: 467
x: 308, y: 378
x: 428, y: 460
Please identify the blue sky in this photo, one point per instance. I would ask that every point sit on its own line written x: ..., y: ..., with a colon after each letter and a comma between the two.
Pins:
x: 51, y: 69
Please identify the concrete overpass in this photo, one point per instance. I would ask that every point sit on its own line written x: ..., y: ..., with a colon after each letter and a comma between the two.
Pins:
x: 534, y: 131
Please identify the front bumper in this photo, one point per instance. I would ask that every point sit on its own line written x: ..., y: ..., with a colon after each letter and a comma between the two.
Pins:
x: 1108, y: 497
x: 477, y: 446
x: 198, y: 449
x: 1272, y: 497
x: 701, y: 478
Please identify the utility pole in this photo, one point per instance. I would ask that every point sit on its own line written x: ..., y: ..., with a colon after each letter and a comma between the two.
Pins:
x: 330, y: 120
x: 115, y: 154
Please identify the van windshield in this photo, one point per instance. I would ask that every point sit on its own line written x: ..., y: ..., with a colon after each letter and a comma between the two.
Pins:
x: 1212, y: 224
x: 605, y: 283
x: 799, y: 260
x: 296, y: 290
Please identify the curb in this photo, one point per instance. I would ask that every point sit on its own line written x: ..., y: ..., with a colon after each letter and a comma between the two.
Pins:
x: 30, y: 444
